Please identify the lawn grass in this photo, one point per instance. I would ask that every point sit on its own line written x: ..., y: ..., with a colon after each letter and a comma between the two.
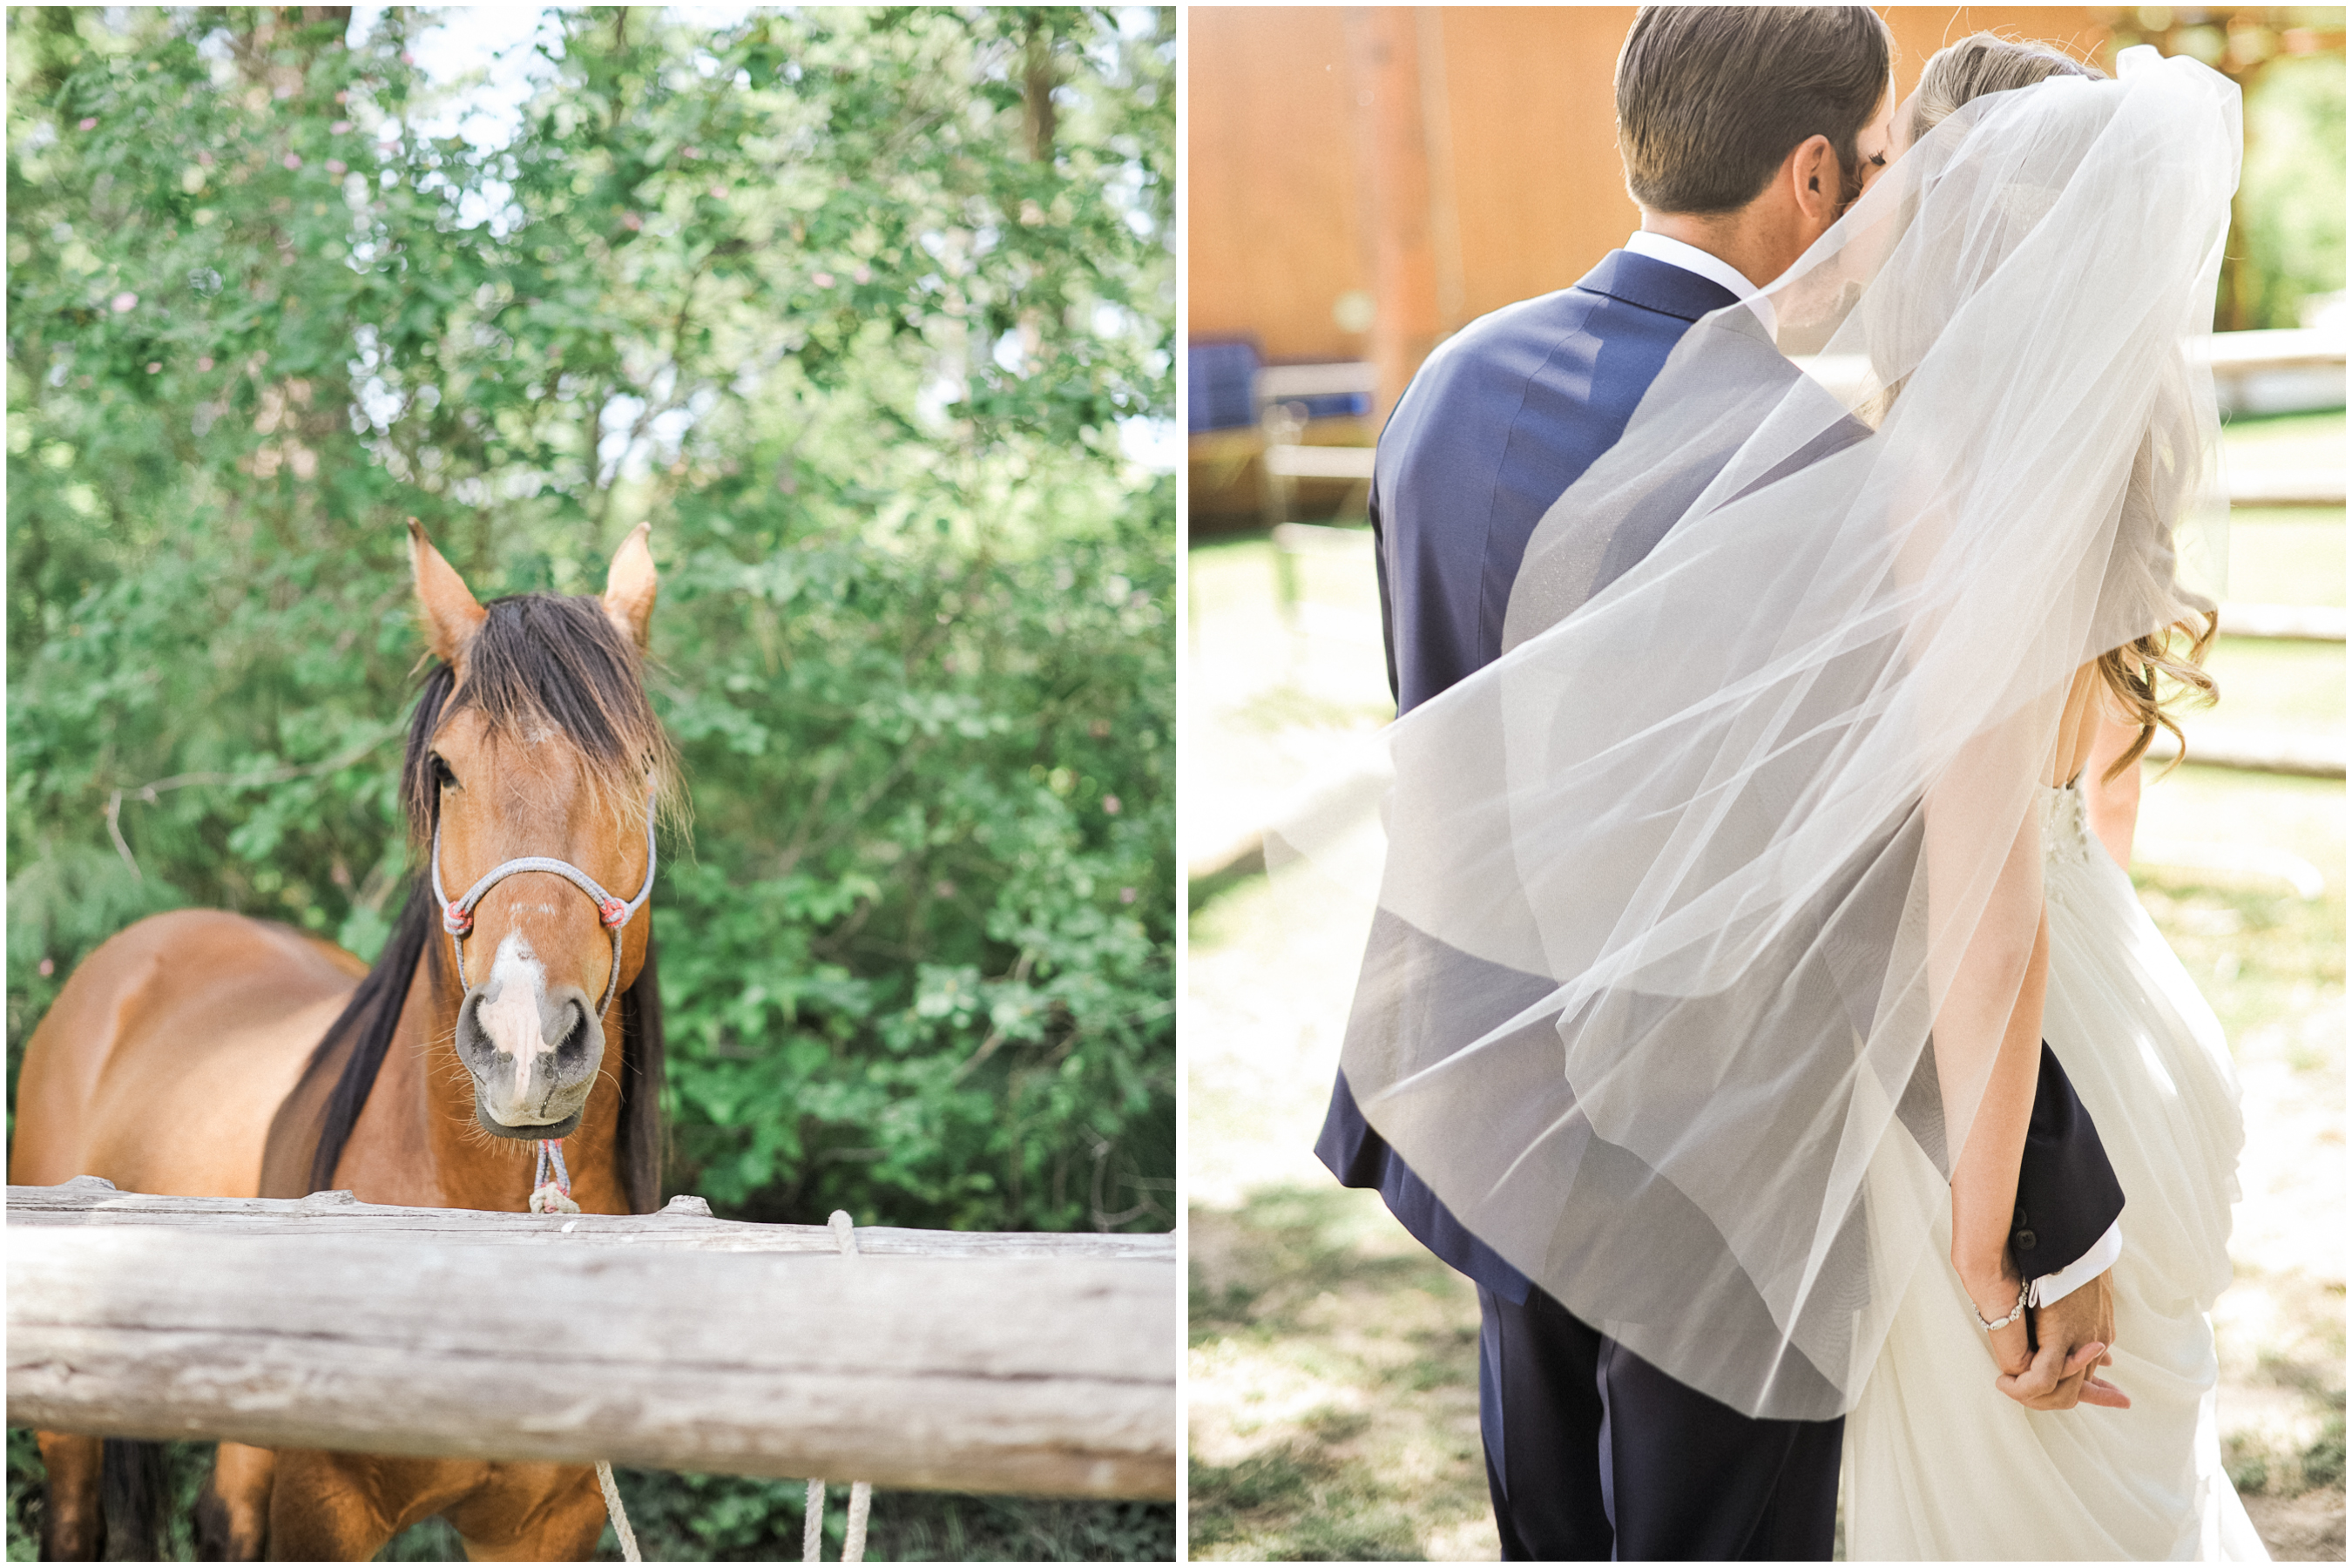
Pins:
x: 1334, y: 1387
x: 2286, y: 558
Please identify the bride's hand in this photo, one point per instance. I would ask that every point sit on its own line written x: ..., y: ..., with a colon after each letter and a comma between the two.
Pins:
x: 1995, y: 1295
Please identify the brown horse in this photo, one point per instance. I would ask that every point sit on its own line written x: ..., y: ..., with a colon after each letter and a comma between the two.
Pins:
x: 202, y: 1053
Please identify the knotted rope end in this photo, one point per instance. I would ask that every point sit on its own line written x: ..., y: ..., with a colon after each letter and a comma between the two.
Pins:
x: 552, y: 1195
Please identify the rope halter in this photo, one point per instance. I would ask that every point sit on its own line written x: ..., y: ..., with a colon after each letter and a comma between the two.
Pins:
x: 457, y: 914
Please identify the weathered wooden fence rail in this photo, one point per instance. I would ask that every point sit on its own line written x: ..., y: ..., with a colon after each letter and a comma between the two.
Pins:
x: 1024, y: 1363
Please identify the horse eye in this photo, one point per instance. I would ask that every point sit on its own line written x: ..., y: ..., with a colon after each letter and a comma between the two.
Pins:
x: 442, y: 776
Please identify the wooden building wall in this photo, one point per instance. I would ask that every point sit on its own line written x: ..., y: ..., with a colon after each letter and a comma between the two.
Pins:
x: 1444, y: 161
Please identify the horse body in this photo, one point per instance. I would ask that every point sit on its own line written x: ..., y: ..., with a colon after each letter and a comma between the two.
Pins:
x: 168, y: 1051
x: 206, y: 1054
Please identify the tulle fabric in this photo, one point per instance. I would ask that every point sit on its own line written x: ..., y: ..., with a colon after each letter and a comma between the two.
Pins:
x: 1938, y: 1464
x: 1668, y: 901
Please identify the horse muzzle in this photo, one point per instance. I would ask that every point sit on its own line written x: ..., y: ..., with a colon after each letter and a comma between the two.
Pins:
x: 532, y: 1052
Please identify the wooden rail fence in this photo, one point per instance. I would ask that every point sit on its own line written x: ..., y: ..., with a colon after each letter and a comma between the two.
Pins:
x: 1037, y: 1365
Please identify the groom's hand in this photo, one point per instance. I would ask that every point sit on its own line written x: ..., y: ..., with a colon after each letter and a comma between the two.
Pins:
x: 2084, y: 1318
x: 2074, y: 1334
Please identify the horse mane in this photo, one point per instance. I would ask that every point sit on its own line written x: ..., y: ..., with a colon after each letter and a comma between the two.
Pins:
x: 537, y: 660
x: 549, y: 661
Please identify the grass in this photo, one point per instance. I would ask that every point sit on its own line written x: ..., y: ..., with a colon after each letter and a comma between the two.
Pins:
x: 2259, y: 1469
x: 2273, y: 685
x: 2263, y: 957
x: 2287, y: 555
x: 2287, y: 440
x: 2286, y: 558
x: 1334, y: 1399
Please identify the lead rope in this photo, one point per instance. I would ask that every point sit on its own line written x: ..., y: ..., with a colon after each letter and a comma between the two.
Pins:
x: 620, y: 1515
x: 554, y: 1196
x: 861, y: 1493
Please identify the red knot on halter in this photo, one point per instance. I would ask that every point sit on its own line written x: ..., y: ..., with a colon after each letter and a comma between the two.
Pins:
x: 457, y: 914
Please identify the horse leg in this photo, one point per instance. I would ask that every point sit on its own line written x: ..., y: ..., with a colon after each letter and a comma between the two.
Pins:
x: 532, y: 1513
x: 233, y: 1509
x: 327, y: 1506
x: 73, y: 1527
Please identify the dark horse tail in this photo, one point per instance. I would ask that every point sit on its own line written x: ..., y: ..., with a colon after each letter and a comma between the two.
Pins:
x: 132, y: 1487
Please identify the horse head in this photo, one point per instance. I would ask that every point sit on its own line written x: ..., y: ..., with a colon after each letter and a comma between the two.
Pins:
x: 535, y: 768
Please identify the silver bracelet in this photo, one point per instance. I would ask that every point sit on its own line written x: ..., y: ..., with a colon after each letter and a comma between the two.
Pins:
x: 2023, y: 1286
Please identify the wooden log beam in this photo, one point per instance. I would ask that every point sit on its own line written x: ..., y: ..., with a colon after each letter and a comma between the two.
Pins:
x: 686, y: 1224
x: 1040, y: 1375
x: 2286, y: 487
x: 2315, y: 756
x: 2290, y: 623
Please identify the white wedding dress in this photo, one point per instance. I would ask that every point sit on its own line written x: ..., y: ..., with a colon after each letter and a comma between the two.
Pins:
x: 1938, y: 1463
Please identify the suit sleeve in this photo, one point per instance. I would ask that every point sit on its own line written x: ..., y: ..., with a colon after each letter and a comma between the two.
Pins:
x: 2067, y: 1194
x: 1380, y: 573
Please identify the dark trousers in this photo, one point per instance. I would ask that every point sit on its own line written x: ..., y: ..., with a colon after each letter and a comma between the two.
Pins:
x: 1594, y: 1454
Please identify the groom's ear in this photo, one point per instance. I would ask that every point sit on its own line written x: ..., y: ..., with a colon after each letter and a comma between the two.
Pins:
x: 1815, y: 180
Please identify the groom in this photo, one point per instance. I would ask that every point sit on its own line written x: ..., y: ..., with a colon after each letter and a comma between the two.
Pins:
x: 1745, y: 132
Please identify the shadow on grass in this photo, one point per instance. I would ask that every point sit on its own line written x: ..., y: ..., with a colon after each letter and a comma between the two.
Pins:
x: 1293, y: 1504
x: 1333, y: 1387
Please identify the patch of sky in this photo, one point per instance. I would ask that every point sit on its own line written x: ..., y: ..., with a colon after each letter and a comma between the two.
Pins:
x: 1132, y: 23
x: 1150, y: 443
x: 939, y: 394
x: 486, y: 61
x: 709, y: 18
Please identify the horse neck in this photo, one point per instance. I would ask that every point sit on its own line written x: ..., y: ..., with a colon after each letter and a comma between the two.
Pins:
x: 454, y: 1163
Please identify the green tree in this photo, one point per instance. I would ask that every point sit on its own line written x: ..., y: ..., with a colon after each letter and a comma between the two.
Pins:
x: 2291, y: 197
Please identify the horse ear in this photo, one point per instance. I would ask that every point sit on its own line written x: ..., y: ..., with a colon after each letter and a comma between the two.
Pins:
x: 629, y: 586
x: 451, y: 614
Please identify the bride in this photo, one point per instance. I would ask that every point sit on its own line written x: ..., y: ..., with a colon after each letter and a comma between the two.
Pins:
x: 1935, y: 1470
x: 1716, y: 916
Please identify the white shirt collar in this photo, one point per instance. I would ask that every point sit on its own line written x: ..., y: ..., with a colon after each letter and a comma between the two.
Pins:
x: 1714, y: 268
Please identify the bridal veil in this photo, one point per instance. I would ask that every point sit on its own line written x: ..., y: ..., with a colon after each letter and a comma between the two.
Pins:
x: 1697, y: 915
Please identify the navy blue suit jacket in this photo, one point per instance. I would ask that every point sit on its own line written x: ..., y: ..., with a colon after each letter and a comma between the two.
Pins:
x: 1501, y: 419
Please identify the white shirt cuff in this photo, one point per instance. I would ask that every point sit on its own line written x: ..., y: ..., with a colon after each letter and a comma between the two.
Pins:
x: 2052, y: 1289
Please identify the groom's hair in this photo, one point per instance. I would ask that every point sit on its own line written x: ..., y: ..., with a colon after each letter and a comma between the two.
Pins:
x: 1711, y: 98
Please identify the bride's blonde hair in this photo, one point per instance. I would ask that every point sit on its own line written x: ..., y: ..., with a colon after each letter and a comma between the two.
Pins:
x: 2137, y: 672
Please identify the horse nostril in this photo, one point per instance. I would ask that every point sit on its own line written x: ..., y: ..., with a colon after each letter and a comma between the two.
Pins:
x: 573, y: 1048
x: 472, y: 1040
